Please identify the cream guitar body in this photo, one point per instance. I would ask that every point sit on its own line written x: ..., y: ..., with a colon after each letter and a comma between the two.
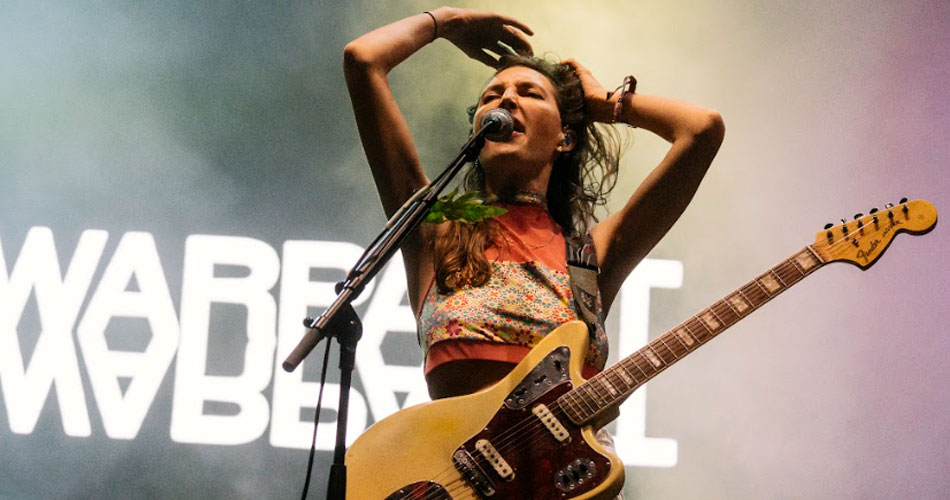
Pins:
x: 497, y: 443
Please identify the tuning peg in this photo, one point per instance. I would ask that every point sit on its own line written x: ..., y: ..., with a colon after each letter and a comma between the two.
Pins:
x: 858, y: 216
x: 888, y: 205
x: 903, y: 200
x: 829, y: 225
x: 873, y: 210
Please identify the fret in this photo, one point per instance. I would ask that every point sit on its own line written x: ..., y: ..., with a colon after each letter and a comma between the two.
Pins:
x: 644, y: 362
x: 591, y: 396
x: 797, y: 267
x: 617, y: 382
x: 660, y: 338
x: 678, y: 336
x: 773, y: 273
x: 611, y: 390
x: 814, y: 258
x: 601, y: 392
x: 805, y: 261
x: 728, y: 315
x: 751, y: 291
x: 699, y: 338
x: 576, y: 399
x: 710, y: 320
x: 787, y: 272
x: 760, y: 294
x: 730, y: 306
x: 637, y: 366
x: 740, y: 301
x: 769, y: 284
x: 569, y: 405
x: 625, y: 375
x: 711, y: 335
x: 650, y: 355
x: 683, y: 334
x: 764, y: 291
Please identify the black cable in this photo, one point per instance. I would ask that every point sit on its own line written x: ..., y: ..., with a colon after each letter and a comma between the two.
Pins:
x: 316, y: 422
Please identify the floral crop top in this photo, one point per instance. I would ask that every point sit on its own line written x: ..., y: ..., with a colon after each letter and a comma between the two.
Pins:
x: 528, y: 295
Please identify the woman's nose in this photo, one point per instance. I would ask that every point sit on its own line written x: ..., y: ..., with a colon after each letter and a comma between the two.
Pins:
x: 508, y: 100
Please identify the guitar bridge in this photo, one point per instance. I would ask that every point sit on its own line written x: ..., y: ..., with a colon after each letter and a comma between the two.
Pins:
x: 472, y: 473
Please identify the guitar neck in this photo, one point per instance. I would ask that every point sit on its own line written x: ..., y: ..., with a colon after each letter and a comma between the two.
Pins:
x: 610, y: 387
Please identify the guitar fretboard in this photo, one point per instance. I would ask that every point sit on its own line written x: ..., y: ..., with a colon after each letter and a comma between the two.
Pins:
x: 611, y: 386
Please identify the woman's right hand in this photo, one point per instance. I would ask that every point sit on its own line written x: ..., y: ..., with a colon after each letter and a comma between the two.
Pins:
x: 478, y: 31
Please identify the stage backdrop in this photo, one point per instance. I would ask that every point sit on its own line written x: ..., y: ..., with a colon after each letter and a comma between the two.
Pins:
x: 181, y: 182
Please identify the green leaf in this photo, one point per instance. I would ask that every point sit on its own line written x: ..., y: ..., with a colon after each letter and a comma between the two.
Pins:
x: 467, y: 208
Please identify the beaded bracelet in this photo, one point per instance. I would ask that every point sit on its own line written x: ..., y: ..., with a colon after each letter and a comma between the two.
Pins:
x: 435, y: 26
x: 629, y: 86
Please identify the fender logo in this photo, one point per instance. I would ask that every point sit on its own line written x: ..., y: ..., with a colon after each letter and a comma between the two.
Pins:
x: 867, y: 255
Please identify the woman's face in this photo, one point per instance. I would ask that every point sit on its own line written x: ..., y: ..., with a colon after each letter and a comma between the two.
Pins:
x: 531, y: 99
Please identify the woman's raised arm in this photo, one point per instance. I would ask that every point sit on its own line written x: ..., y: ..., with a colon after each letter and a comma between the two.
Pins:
x: 624, y: 238
x: 384, y: 134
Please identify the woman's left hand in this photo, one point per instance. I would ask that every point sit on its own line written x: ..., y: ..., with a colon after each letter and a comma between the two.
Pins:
x: 601, y: 108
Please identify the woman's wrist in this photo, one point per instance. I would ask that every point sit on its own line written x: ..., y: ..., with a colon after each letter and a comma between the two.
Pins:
x: 602, y: 109
x: 444, y: 20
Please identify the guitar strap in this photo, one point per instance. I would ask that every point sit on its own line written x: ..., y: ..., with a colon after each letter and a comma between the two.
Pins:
x: 582, y: 270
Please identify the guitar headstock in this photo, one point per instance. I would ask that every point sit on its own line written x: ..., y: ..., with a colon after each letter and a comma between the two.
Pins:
x: 863, y: 240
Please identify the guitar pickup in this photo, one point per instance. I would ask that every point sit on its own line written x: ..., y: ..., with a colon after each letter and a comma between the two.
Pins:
x: 495, y: 459
x: 551, y: 423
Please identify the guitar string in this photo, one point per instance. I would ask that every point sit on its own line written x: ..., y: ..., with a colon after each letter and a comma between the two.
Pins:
x: 503, y: 438
x: 502, y: 442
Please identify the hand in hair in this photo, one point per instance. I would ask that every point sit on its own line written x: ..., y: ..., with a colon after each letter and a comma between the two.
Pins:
x: 478, y: 33
x: 600, y: 108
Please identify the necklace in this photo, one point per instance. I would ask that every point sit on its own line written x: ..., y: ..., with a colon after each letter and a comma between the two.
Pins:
x: 521, y: 197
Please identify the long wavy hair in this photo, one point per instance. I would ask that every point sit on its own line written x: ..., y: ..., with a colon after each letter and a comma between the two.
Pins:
x: 580, y: 181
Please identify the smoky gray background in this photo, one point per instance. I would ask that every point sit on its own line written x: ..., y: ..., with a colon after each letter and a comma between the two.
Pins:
x: 232, y: 118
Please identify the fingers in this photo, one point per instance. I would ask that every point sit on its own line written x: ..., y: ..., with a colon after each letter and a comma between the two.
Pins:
x: 516, y: 39
x: 483, y: 57
x: 517, y: 24
x: 578, y: 67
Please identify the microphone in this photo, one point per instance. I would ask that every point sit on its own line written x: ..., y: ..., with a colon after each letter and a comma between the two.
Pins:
x: 498, y: 124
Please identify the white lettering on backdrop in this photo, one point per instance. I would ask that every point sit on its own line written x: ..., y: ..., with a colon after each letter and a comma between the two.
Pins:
x: 272, y: 329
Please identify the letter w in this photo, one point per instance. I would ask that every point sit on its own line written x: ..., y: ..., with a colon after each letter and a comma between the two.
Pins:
x: 26, y: 385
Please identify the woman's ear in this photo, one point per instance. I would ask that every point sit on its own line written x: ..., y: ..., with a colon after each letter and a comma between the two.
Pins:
x: 567, y: 141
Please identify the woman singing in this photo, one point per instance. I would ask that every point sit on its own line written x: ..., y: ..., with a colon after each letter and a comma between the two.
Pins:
x: 484, y: 293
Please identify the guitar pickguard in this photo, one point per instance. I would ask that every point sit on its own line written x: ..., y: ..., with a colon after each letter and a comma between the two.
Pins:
x: 527, y: 460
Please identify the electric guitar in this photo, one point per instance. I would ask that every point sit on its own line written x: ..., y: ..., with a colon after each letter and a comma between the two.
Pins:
x: 531, y: 435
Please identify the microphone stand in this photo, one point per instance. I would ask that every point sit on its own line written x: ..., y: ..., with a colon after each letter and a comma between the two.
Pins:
x: 340, y: 320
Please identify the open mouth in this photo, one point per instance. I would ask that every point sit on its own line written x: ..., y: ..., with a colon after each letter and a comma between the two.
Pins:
x: 518, y: 126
